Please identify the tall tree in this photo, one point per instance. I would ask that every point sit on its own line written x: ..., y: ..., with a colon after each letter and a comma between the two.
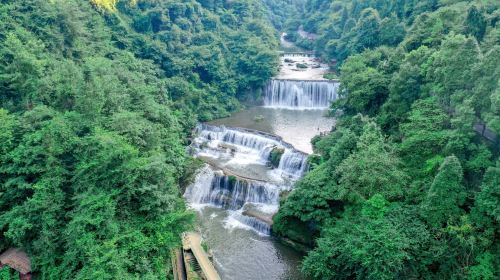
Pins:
x: 373, y: 168
x: 445, y: 195
x: 475, y: 23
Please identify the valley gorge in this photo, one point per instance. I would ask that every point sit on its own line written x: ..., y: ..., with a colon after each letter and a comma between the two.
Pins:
x: 249, y: 139
x: 246, y: 173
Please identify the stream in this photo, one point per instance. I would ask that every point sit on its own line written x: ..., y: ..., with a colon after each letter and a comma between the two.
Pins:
x: 238, y: 190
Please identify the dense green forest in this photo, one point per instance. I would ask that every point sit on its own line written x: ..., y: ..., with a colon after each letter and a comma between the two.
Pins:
x: 404, y: 187
x: 97, y: 98
x: 280, y: 12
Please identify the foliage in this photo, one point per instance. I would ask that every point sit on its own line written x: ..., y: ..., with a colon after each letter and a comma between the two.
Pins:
x: 446, y: 194
x: 372, y: 169
x: 97, y: 99
x: 108, y: 5
x: 275, y: 156
x: 6, y: 273
x: 406, y: 185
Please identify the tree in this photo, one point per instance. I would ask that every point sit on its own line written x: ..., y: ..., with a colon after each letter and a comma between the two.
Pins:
x: 21, y: 67
x: 97, y: 100
x: 367, y: 30
x: 364, y: 86
x: 392, y: 32
x: 445, y: 195
x: 364, y: 244
x: 7, y: 124
x: 451, y: 82
x: 373, y: 169
x: 485, y: 268
x: 407, y: 85
x: 108, y: 5
x: 426, y: 72
x: 488, y: 199
x: 7, y: 274
x: 475, y: 23
x: 425, y: 135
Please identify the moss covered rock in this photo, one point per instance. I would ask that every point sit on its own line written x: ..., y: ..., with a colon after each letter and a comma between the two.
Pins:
x: 301, y: 65
x: 275, y: 156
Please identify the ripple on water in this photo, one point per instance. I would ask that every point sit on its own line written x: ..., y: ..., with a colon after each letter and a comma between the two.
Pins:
x: 240, y: 253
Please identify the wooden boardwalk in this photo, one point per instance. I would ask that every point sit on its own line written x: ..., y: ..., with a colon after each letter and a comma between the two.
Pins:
x: 192, y: 241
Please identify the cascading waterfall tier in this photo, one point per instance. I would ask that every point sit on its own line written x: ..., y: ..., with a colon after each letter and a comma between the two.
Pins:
x: 300, y: 94
x: 293, y: 164
x: 233, y: 146
x: 297, y: 54
x: 229, y: 192
x: 245, y: 181
x: 254, y: 223
x: 215, y: 136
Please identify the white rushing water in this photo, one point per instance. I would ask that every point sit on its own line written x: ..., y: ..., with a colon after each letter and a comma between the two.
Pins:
x: 213, y: 188
x: 246, y: 171
x: 292, y: 164
x: 252, y: 197
x: 296, y: 127
x: 298, y: 94
x: 229, y: 192
x: 247, y: 153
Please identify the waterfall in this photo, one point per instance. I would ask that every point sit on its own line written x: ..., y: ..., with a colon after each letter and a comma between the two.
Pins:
x: 232, y: 193
x: 246, y: 146
x: 256, y: 224
x: 298, y: 94
x: 229, y: 192
x: 217, y: 135
x: 293, y: 164
x: 252, y: 196
x: 297, y: 54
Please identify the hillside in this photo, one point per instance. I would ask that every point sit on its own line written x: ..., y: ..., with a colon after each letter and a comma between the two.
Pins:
x: 407, y: 185
x: 96, y: 102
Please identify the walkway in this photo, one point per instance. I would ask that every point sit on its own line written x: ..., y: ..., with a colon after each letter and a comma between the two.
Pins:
x: 192, y: 241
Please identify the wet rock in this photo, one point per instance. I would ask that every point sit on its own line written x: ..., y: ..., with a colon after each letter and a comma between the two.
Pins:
x: 275, y: 156
x: 263, y: 217
x: 301, y: 65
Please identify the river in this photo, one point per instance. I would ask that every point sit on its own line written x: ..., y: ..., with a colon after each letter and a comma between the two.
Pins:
x: 251, y: 158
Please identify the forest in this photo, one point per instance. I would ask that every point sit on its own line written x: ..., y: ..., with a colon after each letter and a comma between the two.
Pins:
x: 98, y: 99
x: 407, y: 186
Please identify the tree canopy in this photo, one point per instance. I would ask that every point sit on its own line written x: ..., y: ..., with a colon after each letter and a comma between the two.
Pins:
x: 406, y: 185
x: 97, y: 99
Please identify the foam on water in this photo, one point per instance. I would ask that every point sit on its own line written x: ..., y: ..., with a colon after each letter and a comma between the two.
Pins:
x: 230, y: 192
